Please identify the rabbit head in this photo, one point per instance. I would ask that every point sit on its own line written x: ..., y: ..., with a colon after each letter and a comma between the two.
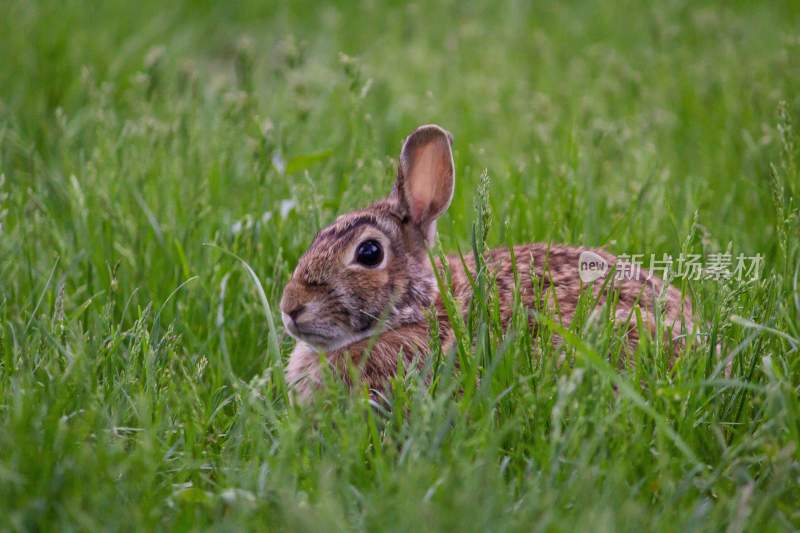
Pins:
x: 370, y: 268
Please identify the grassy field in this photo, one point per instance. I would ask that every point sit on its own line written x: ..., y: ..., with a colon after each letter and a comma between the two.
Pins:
x: 143, y: 144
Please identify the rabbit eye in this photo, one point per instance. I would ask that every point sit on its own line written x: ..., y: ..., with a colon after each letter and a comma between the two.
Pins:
x: 369, y: 253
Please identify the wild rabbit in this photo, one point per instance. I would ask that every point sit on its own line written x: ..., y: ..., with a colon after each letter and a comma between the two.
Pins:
x: 361, y: 291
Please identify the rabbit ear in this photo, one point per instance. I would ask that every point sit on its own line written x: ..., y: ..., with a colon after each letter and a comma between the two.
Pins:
x: 426, y: 176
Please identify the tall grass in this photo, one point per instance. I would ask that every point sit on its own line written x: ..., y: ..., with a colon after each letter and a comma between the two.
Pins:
x: 163, y: 167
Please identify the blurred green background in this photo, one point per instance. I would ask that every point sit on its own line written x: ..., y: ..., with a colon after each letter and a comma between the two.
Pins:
x: 140, y: 382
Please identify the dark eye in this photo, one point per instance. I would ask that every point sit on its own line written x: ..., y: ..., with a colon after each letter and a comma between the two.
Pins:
x: 369, y: 253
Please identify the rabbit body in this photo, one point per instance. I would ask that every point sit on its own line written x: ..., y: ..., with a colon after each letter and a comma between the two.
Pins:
x: 363, y: 290
x: 547, y: 279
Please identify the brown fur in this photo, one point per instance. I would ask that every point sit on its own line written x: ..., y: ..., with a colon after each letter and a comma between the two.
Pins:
x: 372, y: 315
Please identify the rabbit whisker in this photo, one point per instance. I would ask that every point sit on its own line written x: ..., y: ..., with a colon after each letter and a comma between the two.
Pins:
x: 378, y: 319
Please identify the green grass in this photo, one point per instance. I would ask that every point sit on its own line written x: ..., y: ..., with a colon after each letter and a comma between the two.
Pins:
x: 141, y: 384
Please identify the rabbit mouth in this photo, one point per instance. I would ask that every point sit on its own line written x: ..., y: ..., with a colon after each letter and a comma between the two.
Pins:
x: 322, y: 342
x: 324, y: 339
x: 311, y: 336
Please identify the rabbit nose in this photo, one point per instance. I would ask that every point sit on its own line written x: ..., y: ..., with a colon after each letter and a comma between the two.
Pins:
x: 296, y: 312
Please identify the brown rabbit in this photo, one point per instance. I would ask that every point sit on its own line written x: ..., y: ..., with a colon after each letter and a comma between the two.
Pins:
x: 363, y: 287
